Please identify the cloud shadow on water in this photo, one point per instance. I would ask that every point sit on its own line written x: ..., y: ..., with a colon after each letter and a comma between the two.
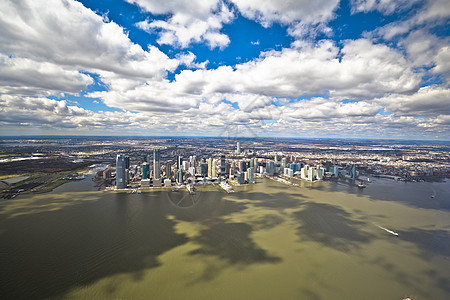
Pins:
x: 330, y: 226
x: 232, y: 242
x: 48, y: 253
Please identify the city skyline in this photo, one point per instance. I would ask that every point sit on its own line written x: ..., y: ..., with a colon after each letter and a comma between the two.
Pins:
x: 337, y: 69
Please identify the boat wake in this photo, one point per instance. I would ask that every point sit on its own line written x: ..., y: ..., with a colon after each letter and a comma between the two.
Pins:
x: 387, y: 230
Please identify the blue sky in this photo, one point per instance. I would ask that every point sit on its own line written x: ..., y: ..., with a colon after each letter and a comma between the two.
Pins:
x: 329, y: 68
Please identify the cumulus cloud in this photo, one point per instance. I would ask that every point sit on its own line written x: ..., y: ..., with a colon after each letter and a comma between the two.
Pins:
x: 384, y: 6
x: 428, y: 101
x: 187, y: 22
x: 269, y: 11
x: 44, y: 31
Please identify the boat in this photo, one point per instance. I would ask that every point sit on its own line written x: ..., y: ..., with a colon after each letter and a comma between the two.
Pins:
x: 361, y: 184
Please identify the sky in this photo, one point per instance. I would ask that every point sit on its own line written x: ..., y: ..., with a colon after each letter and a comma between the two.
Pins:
x: 226, y: 68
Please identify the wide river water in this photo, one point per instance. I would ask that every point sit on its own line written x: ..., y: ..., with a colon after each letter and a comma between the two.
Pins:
x: 321, y: 240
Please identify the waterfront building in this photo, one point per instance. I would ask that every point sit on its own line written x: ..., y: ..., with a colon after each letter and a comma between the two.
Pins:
x: 120, y: 172
x: 222, y: 165
x: 240, y: 177
x: 270, y: 168
x: 157, y: 182
x: 251, y: 175
x: 320, y: 172
x: 304, y: 172
x: 145, y: 170
x: 261, y: 169
x: 336, y: 171
x: 284, y: 163
x: 294, y: 167
x: 167, y: 182
x: 204, y: 169
x: 169, y: 169
x: 311, y: 173
x: 180, y: 176
x: 156, y: 164
x: 210, y: 167
x: 246, y: 176
x: 145, y: 183
x: 213, y: 169
x: 352, y: 171
x: 288, y: 172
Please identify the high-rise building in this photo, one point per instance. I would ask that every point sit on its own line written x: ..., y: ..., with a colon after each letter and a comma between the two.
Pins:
x: 240, y: 177
x: 145, y: 170
x: 251, y: 175
x: 222, y: 165
x: 270, y: 168
x: 121, y: 182
x: 127, y: 162
x: 169, y: 169
x: 214, y: 172
x: 179, y: 162
x: 283, y: 163
x: 204, y: 169
x: 311, y: 173
x: 320, y: 173
x: 336, y: 171
x: 156, y: 164
x: 294, y: 167
x: 238, y: 148
x: 180, y: 176
x: 352, y: 171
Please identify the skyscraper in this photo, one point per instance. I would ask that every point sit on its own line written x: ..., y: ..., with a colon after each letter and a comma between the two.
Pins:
x: 169, y: 169
x: 120, y: 172
x: 222, y: 165
x: 270, y: 168
x: 156, y: 164
x: 204, y: 169
x: 179, y: 162
x: 145, y: 170
x: 352, y: 171
x: 238, y: 148
x: 251, y: 175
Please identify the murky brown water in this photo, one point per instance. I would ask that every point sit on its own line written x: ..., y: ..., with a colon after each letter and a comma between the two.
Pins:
x: 266, y: 241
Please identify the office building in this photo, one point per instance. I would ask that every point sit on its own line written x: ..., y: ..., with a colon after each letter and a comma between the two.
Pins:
x: 284, y: 163
x: 204, y: 169
x: 238, y: 148
x: 311, y: 173
x: 179, y: 162
x: 294, y: 167
x: 288, y: 172
x: 270, y: 168
x: 320, y: 172
x: 169, y: 169
x: 251, y: 175
x: 240, y: 177
x: 120, y: 172
x: 180, y: 176
x: 352, y: 171
x: 222, y: 165
x: 145, y: 170
x: 156, y: 164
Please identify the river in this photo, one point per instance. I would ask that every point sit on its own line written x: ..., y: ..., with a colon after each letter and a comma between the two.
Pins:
x: 320, y: 240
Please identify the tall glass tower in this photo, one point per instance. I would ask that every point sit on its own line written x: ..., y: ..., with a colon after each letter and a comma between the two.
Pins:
x: 121, y: 182
x: 156, y: 164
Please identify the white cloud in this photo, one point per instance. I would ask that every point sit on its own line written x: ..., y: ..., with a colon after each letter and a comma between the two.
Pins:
x: 187, y: 22
x: 269, y: 11
x: 384, y: 6
x: 44, y: 31
x: 428, y: 101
